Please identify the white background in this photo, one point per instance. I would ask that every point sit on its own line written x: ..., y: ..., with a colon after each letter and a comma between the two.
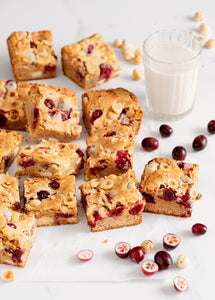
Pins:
x: 71, y: 21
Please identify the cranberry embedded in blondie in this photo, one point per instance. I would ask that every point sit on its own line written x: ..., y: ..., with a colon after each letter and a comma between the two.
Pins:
x: 10, y: 145
x: 89, y: 62
x: 32, y: 55
x: 52, y: 202
x: 169, y: 186
x: 102, y: 108
x: 52, y: 113
x: 112, y: 201
x: 17, y: 233
x: 110, y: 151
x: 50, y: 159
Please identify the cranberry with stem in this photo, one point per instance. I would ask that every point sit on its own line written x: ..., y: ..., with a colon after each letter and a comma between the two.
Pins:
x: 150, y: 144
x: 165, y: 130
x: 179, y: 153
x: 200, y: 142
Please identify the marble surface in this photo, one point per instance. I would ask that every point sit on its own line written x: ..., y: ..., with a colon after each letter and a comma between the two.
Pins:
x: 134, y: 20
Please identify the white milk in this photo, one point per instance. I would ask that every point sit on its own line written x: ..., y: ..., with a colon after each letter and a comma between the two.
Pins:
x: 171, y: 78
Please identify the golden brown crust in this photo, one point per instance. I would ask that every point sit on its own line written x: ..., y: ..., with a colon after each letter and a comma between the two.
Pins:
x: 84, y: 67
x: 118, y: 106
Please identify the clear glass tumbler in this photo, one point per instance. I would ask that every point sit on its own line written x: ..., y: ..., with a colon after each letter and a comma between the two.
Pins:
x: 171, y: 65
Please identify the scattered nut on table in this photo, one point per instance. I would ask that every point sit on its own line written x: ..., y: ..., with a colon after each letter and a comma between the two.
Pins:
x: 204, y: 28
x: 199, y: 16
x: 117, y: 43
x: 210, y: 44
x: 147, y: 246
x: 8, y: 275
x: 182, y: 261
x: 137, y: 74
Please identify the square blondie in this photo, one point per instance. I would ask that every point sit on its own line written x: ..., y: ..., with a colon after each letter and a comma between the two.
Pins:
x: 102, y: 108
x: 112, y: 202
x: 17, y: 233
x: 11, y: 143
x: 89, y: 62
x: 110, y: 151
x: 32, y: 55
x: 51, y: 202
x: 9, y: 192
x: 12, y: 98
x: 50, y: 159
x: 52, y: 113
x: 169, y: 187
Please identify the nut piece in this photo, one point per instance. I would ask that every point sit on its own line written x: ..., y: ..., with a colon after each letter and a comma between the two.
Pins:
x: 182, y: 261
x: 147, y: 246
x: 137, y: 74
x: 210, y: 44
x: 201, y: 41
x: 204, y: 28
x: 117, y: 43
x: 8, y: 275
x: 106, y: 184
x: 199, y: 16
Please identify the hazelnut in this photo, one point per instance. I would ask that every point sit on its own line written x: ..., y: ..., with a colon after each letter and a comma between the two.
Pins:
x: 137, y: 74
x: 182, y: 261
x: 147, y: 246
x: 199, y: 16
x: 117, y: 43
x: 210, y: 44
x: 8, y: 275
x: 204, y: 28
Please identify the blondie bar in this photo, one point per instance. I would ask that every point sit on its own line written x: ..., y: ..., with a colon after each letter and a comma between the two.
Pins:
x: 17, y: 233
x: 9, y: 192
x: 52, y: 113
x: 169, y: 186
x: 12, y: 97
x: 110, y: 151
x: 101, y: 108
x: 89, y: 62
x: 112, y: 201
x: 32, y: 55
x: 51, y: 202
x: 50, y: 159
x: 11, y: 143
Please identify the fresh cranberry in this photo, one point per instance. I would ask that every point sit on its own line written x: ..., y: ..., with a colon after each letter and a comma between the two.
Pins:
x: 116, y: 212
x: 179, y: 153
x: 96, y: 216
x: 121, y: 160
x: 33, y: 45
x: 11, y: 225
x: 3, y: 119
x: 109, y: 197
x: 150, y: 144
x: 95, y: 115
x: 105, y: 71
x: 54, y: 185
x: 199, y: 229
x: 17, y: 206
x: 63, y: 216
x: 42, y: 195
x: 199, y: 143
x: 36, y: 116
x: 49, y: 103
x: 184, y: 200
x: 49, y: 68
x: 28, y: 163
x: 171, y: 241
x: 90, y: 49
x: 164, y: 260
x: 136, y: 209
x: 137, y: 254
x: 149, y: 198
x: 211, y: 127
x: 165, y: 130
x: 122, y: 249
x: 169, y: 194
x: 7, y: 161
x: 98, y: 168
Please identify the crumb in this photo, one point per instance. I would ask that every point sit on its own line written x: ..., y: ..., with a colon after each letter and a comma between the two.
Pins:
x: 8, y: 275
x: 199, y: 196
x: 105, y: 241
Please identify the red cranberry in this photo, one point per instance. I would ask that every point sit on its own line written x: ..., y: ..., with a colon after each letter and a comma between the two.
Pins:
x: 116, y: 212
x: 105, y: 71
x: 28, y: 163
x: 150, y: 144
x: 11, y: 225
x: 52, y: 112
x: 109, y: 197
x: 95, y: 115
x: 136, y: 209
x: 110, y: 134
x: 98, y: 168
x: 137, y: 254
x: 33, y: 45
x: 163, y: 259
x: 42, y: 195
x: 54, y: 185
x: 85, y: 255
x: 122, y: 249
x: 149, y: 267
x: 171, y: 241
x: 7, y: 161
x: 3, y: 119
x: 17, y: 206
x: 169, y: 194
x: 165, y: 130
x: 36, y: 116
x: 211, y: 127
x: 179, y: 153
x: 199, y: 229
x: 49, y: 103
x: 80, y: 153
x: 148, y: 197
x: 49, y: 68
x: 90, y: 49
x: 63, y: 216
x: 199, y: 143
x: 65, y: 114
x: 91, y: 224
x: 97, y: 216
x: 121, y: 160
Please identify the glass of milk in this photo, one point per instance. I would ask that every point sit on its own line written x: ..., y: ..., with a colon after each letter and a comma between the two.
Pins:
x: 171, y: 64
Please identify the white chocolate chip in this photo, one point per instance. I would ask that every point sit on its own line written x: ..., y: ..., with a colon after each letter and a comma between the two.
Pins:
x: 117, y: 43
x: 182, y: 261
x: 131, y: 185
x: 106, y: 184
x: 151, y: 167
x: 7, y: 214
x: 11, y: 85
x: 117, y: 107
x: 31, y: 56
x: 35, y: 203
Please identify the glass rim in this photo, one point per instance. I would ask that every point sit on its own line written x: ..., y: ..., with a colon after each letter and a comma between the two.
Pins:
x: 172, y: 63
